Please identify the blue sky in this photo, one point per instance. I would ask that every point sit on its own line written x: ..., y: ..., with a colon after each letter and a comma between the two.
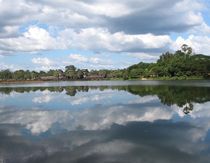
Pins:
x: 98, y: 34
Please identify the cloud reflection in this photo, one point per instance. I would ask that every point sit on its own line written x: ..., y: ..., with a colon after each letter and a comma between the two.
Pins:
x: 40, y: 121
x: 45, y: 97
x: 165, y: 141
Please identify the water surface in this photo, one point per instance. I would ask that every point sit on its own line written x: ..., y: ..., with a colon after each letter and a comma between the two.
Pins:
x: 120, y: 121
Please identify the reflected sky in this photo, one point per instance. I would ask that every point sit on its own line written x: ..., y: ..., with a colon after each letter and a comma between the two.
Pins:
x: 105, y: 124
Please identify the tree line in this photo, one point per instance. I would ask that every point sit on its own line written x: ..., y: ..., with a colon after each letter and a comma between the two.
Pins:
x: 70, y: 73
x: 181, y: 64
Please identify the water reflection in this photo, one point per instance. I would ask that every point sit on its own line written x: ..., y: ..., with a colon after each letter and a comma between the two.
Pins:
x: 160, y: 141
x: 94, y: 108
x: 105, y: 124
x: 168, y: 95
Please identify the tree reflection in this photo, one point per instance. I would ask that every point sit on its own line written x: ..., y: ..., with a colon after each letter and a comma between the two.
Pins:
x: 181, y: 96
x: 184, y: 97
x: 188, y: 108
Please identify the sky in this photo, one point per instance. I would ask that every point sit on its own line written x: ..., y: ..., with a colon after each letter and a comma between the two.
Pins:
x: 98, y: 34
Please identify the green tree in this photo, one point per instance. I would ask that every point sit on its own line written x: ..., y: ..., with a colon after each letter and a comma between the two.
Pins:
x: 186, y: 49
x: 19, y: 75
x: 70, y: 72
x: 80, y: 74
x: 6, y: 74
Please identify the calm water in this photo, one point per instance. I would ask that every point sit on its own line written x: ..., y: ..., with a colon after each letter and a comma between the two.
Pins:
x: 105, y: 122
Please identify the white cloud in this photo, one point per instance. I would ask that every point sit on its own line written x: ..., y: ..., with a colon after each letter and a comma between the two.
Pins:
x: 78, y: 57
x: 113, y: 9
x: 200, y: 44
x: 144, y: 56
x: 95, y: 39
x: 141, y: 29
x: 90, y: 60
x: 34, y: 39
x: 100, y: 39
x: 93, y: 24
x: 7, y: 31
x: 107, y: 13
x: 42, y: 61
x: 4, y: 66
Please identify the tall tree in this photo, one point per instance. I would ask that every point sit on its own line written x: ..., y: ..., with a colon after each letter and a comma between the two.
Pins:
x: 70, y: 72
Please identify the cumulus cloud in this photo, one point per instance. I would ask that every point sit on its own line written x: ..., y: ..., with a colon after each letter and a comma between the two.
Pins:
x: 44, y: 62
x: 198, y: 39
x: 103, y: 40
x: 37, y: 39
x: 142, y: 30
x: 91, y: 60
x: 34, y: 39
x: 4, y: 66
x: 155, y: 17
x: 200, y: 44
x: 78, y: 57
x: 14, y: 14
x: 133, y: 16
x: 144, y: 56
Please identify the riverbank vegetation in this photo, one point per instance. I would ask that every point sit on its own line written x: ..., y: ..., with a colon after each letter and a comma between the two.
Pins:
x: 182, y: 64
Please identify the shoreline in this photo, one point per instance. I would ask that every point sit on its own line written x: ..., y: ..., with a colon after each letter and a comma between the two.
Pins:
x: 21, y: 81
x: 143, y: 79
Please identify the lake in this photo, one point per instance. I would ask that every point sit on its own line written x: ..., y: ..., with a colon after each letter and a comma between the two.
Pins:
x: 105, y: 122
